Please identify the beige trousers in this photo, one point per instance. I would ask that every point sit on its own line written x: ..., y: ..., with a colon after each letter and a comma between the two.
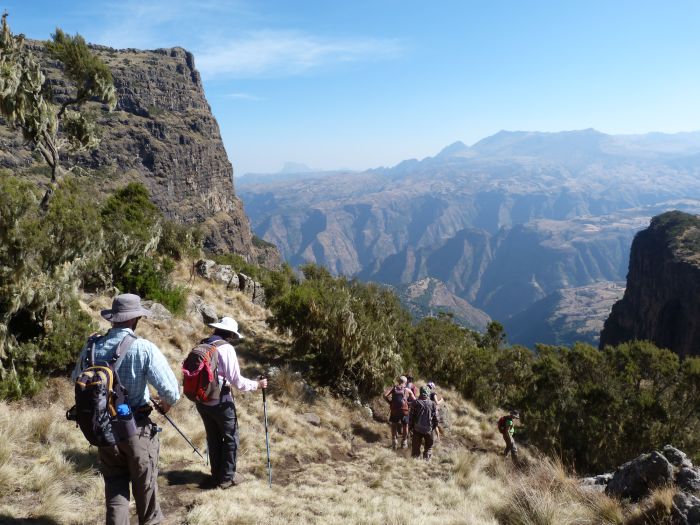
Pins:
x: 133, y: 461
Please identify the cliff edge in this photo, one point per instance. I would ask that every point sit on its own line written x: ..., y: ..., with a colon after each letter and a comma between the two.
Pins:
x: 662, y: 299
x: 164, y: 135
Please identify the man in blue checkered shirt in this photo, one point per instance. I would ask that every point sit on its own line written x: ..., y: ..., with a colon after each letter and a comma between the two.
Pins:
x: 136, y: 459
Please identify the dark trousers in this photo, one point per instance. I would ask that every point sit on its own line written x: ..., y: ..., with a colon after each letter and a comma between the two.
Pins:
x: 133, y: 461
x: 222, y: 438
x: 418, y: 439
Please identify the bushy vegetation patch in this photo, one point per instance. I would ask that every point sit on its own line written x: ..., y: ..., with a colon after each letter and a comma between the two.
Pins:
x: 47, y: 254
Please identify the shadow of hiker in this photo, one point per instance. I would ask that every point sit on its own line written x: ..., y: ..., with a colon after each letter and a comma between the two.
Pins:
x: 8, y: 520
x: 82, y: 459
x: 185, y: 477
x: 369, y: 435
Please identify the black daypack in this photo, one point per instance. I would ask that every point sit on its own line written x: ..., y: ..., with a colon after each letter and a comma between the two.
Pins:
x: 98, y: 393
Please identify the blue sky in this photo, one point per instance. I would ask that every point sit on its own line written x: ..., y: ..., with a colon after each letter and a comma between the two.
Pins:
x: 360, y: 83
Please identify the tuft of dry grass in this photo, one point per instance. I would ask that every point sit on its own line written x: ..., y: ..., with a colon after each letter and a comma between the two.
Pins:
x: 656, y: 508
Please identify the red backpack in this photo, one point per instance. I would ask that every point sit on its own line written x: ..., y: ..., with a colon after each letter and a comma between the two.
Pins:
x: 503, y: 424
x: 200, y: 373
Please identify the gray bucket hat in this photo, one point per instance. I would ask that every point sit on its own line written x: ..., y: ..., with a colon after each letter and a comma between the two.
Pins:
x: 125, y: 307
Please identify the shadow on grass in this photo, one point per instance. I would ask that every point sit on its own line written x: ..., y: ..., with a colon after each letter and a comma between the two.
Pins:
x: 369, y: 435
x: 185, y: 477
x: 8, y: 520
x: 82, y: 459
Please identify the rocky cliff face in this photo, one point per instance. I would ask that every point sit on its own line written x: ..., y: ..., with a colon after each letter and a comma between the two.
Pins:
x: 662, y: 299
x: 164, y: 135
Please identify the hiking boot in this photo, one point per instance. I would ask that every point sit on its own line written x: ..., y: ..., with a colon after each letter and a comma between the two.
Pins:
x: 404, y: 444
x: 394, y: 444
x: 228, y: 483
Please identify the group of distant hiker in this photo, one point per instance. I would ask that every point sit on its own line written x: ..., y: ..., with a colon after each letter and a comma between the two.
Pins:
x: 419, y: 413
x: 113, y: 405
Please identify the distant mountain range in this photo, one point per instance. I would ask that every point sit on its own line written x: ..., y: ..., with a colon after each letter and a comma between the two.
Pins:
x: 504, y: 223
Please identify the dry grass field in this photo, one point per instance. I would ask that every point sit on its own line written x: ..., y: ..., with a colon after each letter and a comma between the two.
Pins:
x: 342, y: 471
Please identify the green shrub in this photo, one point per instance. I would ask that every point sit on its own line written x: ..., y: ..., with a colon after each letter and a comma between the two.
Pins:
x: 150, y: 278
x: 345, y: 332
x: 180, y: 241
x: 42, y: 256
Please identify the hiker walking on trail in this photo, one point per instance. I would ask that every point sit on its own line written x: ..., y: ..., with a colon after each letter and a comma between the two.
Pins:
x: 423, y: 421
x: 218, y: 413
x: 438, y: 400
x: 399, y: 397
x: 133, y: 459
x: 507, y: 428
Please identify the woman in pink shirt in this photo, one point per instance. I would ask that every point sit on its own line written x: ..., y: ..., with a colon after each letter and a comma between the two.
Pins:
x: 219, y: 416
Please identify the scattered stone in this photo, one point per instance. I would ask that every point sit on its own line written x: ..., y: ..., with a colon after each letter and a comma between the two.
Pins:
x: 312, y: 419
x: 203, y: 267
x: 597, y: 483
x: 635, y: 479
x: 688, y: 479
x: 676, y: 457
x: 686, y: 509
x: 369, y: 414
x: 159, y: 312
x: 208, y: 312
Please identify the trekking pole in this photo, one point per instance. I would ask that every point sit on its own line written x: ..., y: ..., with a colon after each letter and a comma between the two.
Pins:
x: 267, y: 439
x: 159, y: 409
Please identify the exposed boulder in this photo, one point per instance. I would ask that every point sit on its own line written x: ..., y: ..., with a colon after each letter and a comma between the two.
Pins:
x: 676, y: 457
x: 688, y: 479
x: 686, y: 509
x: 225, y: 273
x: 159, y: 312
x: 196, y: 305
x: 635, y: 479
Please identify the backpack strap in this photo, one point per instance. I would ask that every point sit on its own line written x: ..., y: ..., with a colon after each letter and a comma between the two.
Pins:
x: 90, y: 353
x: 122, y: 349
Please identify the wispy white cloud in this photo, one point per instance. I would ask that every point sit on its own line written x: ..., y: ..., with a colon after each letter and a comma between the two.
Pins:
x: 281, y: 53
x: 243, y: 96
x: 204, y: 27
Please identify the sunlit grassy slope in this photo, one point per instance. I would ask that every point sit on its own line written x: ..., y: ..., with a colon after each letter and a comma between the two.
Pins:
x: 342, y: 471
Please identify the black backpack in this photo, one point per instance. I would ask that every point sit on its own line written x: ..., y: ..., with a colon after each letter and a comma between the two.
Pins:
x: 98, y: 393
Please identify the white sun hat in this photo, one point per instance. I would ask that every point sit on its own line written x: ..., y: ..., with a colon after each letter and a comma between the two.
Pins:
x: 228, y: 324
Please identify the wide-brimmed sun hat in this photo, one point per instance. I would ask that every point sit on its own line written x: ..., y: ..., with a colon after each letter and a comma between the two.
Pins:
x: 125, y: 307
x: 228, y: 324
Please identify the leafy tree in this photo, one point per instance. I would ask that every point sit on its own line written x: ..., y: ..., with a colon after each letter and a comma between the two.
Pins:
x: 28, y: 103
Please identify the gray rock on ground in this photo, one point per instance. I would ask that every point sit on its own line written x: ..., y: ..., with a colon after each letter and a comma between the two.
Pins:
x: 686, y: 509
x: 158, y: 311
x: 312, y: 419
x: 688, y: 479
x: 676, y: 457
x: 635, y: 479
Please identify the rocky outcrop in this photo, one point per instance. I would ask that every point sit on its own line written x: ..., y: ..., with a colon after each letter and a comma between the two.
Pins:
x: 662, y: 299
x: 225, y: 273
x: 637, y: 478
x: 164, y: 135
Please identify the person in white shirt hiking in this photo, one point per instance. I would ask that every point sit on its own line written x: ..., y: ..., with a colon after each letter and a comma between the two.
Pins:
x: 399, y: 397
x: 219, y: 413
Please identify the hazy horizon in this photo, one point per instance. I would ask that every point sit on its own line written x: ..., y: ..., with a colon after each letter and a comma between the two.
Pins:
x: 370, y: 84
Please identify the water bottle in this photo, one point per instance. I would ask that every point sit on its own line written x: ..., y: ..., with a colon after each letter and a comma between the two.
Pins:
x: 126, y: 426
